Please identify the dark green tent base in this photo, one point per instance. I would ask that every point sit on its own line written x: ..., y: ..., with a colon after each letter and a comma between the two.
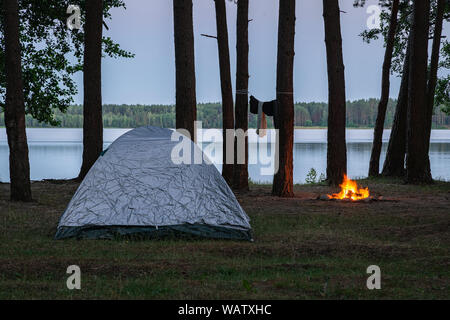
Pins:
x: 150, y: 232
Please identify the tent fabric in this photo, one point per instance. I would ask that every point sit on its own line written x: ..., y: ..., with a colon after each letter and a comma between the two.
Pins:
x: 136, y: 189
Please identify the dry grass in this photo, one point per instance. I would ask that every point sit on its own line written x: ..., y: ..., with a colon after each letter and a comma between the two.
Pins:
x: 303, y: 249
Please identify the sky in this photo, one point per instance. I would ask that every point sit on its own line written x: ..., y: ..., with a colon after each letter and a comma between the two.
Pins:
x: 146, y: 29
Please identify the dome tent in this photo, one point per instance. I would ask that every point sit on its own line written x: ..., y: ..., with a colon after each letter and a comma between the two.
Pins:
x: 135, y: 188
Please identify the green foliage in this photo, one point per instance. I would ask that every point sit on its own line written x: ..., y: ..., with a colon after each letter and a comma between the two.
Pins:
x: 443, y: 94
x: 403, y: 28
x: 360, y: 114
x: 51, y: 55
x: 442, y: 97
x: 247, y: 285
x: 311, y: 177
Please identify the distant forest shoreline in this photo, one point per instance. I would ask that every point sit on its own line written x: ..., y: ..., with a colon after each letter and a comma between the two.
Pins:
x: 360, y: 114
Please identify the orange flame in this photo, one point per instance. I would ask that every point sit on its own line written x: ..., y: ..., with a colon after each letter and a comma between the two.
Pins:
x: 349, y: 190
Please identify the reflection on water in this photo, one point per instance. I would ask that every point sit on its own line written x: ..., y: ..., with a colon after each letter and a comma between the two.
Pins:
x: 314, y: 155
x: 62, y: 160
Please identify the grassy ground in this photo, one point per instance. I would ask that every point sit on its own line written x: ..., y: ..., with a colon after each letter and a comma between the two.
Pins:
x: 303, y: 249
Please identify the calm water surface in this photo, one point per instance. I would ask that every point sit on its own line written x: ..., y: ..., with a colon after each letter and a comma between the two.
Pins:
x: 56, y: 153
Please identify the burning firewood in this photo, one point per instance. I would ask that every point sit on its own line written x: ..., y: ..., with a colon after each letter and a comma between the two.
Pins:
x: 350, y: 190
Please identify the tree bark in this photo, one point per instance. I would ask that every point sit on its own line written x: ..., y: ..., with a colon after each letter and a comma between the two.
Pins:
x: 394, y: 164
x: 186, y: 102
x: 337, y: 149
x: 374, y: 166
x: 19, y: 165
x: 434, y: 66
x: 240, y: 179
x: 225, y: 82
x: 417, y: 157
x: 283, y: 179
x: 92, y: 83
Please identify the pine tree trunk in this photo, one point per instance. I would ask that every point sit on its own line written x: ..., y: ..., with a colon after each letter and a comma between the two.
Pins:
x: 227, y: 91
x: 394, y: 164
x: 374, y: 166
x: 92, y: 83
x: 417, y: 157
x: 186, y: 102
x: 283, y: 185
x: 19, y: 165
x: 434, y: 66
x: 240, y: 179
x: 337, y: 149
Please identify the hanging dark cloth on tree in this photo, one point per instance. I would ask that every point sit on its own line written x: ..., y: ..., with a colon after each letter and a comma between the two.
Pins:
x: 269, y: 108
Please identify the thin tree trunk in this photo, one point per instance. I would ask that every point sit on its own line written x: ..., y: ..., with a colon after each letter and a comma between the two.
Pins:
x: 240, y: 181
x: 92, y: 83
x: 416, y: 157
x: 394, y: 164
x: 186, y: 101
x: 283, y: 185
x: 434, y: 66
x: 19, y: 165
x: 337, y: 149
x: 374, y: 166
x: 225, y: 81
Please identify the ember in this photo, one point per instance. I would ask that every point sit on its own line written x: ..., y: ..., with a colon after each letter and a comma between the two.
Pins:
x: 349, y: 190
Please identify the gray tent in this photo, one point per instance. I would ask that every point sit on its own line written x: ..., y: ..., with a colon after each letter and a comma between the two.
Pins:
x: 135, y: 188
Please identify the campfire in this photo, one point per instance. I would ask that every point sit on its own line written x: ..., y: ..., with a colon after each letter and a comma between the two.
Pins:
x: 350, y: 191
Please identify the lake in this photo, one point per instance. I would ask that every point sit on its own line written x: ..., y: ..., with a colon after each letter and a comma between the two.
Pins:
x: 56, y: 153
